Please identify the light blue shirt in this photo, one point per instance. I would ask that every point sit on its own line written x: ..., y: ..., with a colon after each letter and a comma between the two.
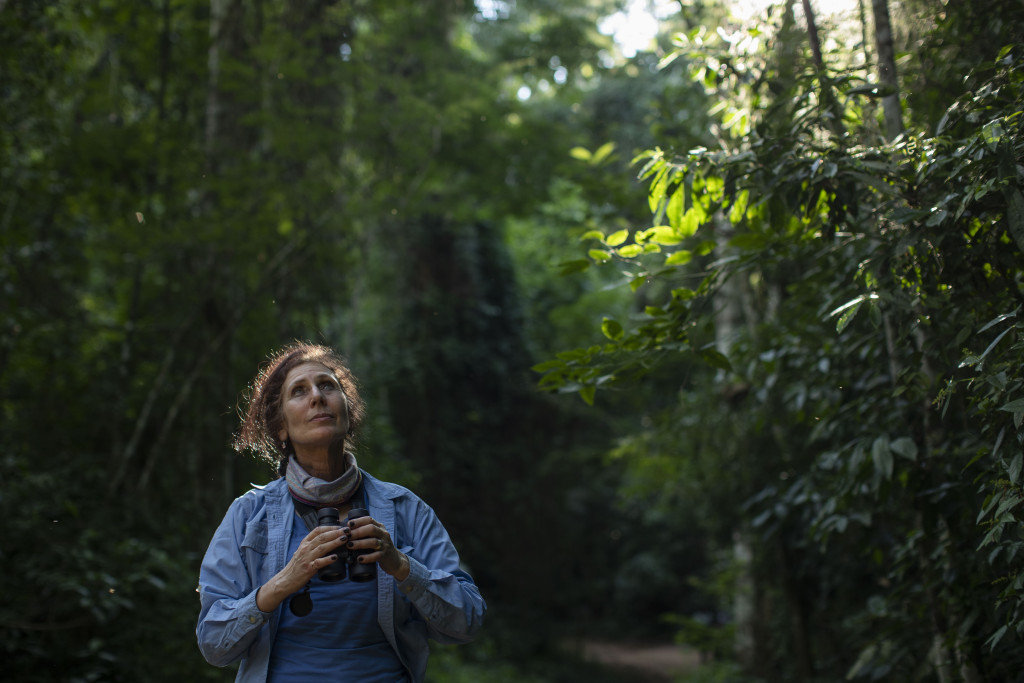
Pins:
x: 340, y: 635
x: 437, y: 600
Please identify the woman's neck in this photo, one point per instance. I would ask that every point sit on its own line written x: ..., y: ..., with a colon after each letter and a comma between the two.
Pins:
x: 326, y: 464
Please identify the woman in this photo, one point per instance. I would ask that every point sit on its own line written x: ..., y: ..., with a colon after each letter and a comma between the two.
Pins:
x: 264, y: 603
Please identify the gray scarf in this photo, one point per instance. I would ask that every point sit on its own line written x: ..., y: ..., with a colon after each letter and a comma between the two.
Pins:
x: 318, y: 493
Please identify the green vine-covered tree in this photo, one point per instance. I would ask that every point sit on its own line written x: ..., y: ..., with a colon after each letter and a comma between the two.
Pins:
x: 855, y: 303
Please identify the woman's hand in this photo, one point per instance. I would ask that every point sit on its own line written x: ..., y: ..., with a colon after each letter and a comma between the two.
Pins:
x: 370, y: 536
x: 315, y: 551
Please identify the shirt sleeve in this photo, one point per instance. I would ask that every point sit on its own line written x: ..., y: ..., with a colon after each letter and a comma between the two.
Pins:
x: 229, y: 621
x: 444, y: 595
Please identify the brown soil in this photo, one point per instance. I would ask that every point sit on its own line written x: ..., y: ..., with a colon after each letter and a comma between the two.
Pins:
x: 641, y: 662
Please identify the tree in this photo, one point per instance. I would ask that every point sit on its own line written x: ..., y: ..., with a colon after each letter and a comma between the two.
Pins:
x: 188, y: 185
x: 824, y: 435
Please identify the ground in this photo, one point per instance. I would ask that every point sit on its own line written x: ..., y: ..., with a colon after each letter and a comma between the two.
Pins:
x: 642, y: 662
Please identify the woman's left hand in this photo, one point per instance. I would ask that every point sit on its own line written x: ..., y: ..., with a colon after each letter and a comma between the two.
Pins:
x: 368, y: 535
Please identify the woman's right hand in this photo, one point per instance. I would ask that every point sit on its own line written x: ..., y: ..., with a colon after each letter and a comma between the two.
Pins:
x: 315, y: 551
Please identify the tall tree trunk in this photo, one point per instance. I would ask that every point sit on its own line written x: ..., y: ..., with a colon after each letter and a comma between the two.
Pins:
x: 730, y: 303
x: 828, y: 96
x: 887, y: 69
x: 812, y: 35
x: 218, y: 13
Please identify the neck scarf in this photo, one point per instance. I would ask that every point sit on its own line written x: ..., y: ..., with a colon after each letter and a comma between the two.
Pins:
x: 318, y: 493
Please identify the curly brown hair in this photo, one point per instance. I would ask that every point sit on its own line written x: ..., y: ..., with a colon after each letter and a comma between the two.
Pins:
x: 262, y: 418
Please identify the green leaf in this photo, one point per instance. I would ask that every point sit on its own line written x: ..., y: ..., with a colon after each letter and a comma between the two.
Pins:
x: 875, y: 314
x: 599, y: 255
x: 1016, y: 406
x: 675, y: 210
x: 904, y: 447
x: 612, y: 329
x: 847, y: 316
x: 716, y: 359
x: 581, y: 153
x: 587, y: 393
x: 602, y: 153
x: 691, y: 221
x: 994, y: 343
x: 592, y: 235
x: 996, y: 637
x: 881, y: 455
x: 849, y: 310
x: 548, y: 365
x: 683, y: 293
x: 991, y: 323
x: 738, y: 210
x: 659, y: 185
x: 631, y: 250
x: 1015, y: 468
x: 664, y: 234
x: 678, y: 258
x: 1015, y: 215
x: 617, y: 238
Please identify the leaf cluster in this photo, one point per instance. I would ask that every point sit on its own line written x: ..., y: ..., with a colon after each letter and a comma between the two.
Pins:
x: 828, y: 435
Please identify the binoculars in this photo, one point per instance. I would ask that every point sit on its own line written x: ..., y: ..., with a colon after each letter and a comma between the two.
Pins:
x: 347, y: 562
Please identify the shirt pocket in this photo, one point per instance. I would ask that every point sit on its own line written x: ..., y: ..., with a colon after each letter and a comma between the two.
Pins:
x: 255, y: 546
x: 255, y: 538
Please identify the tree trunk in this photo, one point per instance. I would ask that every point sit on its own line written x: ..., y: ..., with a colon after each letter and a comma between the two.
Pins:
x: 887, y: 69
x: 730, y: 302
x: 834, y: 115
x: 218, y: 12
x: 812, y: 35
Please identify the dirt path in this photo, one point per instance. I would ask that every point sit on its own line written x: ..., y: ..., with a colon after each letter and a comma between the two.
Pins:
x: 644, y: 662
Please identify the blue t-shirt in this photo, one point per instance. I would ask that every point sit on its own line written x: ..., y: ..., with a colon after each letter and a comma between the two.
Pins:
x: 340, y: 637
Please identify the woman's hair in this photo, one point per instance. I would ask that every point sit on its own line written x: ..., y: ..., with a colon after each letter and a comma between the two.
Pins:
x: 262, y: 419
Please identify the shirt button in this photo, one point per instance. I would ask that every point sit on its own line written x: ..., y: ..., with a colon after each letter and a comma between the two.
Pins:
x: 252, y: 620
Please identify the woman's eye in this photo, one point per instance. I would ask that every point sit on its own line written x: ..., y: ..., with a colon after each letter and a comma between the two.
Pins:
x: 326, y: 386
x: 297, y: 391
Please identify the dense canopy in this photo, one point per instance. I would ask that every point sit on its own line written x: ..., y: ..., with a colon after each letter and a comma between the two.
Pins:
x: 717, y: 344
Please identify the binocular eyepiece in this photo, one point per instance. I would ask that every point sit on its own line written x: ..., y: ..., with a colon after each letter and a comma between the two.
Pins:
x: 347, y: 562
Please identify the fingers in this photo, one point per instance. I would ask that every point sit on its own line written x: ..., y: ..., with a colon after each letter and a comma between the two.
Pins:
x: 317, y: 549
x: 323, y: 540
x: 371, y: 538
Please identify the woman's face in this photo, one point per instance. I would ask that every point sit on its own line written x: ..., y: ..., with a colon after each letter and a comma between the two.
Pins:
x: 314, y: 408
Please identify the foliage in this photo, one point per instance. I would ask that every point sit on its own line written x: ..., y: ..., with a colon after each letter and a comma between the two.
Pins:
x: 185, y: 186
x: 830, y: 283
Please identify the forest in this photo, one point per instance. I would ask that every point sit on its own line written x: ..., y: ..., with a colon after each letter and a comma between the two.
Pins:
x: 714, y: 342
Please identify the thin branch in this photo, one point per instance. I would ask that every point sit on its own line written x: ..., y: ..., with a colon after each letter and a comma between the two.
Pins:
x: 270, y: 274
x: 128, y: 454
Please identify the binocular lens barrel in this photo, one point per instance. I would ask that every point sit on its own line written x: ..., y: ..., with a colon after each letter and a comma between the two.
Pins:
x: 347, y: 562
